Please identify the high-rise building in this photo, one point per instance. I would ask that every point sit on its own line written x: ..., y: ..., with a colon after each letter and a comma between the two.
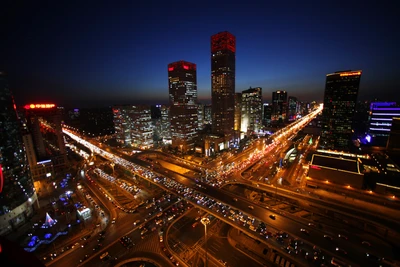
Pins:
x: 45, y: 136
x: 267, y: 112
x: 165, y: 125
x: 279, y: 106
x: 207, y: 114
x: 223, y: 50
x: 380, y: 121
x: 182, y: 79
x: 133, y: 126
x: 251, y: 120
x: 293, y: 108
x: 340, y: 98
x: 17, y: 194
x: 200, y: 116
x: 238, y: 111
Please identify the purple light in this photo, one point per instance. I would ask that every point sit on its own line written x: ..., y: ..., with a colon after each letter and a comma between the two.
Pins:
x: 368, y: 138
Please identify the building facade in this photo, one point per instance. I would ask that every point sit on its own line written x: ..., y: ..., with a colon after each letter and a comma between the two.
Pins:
x: 182, y: 84
x: 279, y: 106
x: 44, y: 140
x: 251, y: 119
x: 340, y: 98
x: 133, y: 126
x: 380, y: 121
x: 293, y: 108
x: 17, y: 193
x: 223, y: 62
x: 238, y: 112
x: 267, y: 113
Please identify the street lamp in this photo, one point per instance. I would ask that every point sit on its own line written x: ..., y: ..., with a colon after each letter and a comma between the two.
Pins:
x: 205, y: 221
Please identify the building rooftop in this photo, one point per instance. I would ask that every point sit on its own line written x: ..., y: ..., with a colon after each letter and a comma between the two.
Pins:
x: 336, y: 163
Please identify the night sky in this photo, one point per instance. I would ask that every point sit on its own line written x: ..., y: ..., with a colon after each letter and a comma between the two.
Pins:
x: 86, y: 55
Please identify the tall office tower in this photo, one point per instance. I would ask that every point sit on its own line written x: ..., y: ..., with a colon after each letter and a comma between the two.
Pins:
x: 207, y: 114
x: 182, y: 79
x: 293, y: 108
x: 340, y: 100
x: 238, y: 112
x: 380, y: 121
x: 251, y: 110
x: 122, y: 124
x: 17, y: 194
x: 141, y: 126
x: 223, y: 48
x: 279, y: 106
x: 165, y: 125
x: 200, y: 116
x: 44, y: 124
x: 267, y: 112
x: 133, y: 126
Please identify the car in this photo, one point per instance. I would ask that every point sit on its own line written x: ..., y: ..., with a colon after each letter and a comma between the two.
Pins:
x: 311, y: 224
x: 366, y: 243
x: 343, y: 236
x: 251, y: 207
x: 328, y: 237
x: 84, y: 258
x: 341, y: 250
x: 273, y: 217
x: 305, y: 231
x: 113, y: 221
x: 235, y: 199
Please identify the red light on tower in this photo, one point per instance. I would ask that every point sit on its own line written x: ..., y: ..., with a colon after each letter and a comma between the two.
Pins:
x: 185, y: 67
x: 170, y: 68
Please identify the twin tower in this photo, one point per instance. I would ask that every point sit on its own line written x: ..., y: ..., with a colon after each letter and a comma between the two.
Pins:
x: 182, y: 84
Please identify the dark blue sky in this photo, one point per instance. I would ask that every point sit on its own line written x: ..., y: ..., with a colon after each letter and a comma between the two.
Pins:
x: 100, y: 54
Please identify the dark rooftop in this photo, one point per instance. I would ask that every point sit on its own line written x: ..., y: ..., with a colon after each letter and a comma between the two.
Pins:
x: 349, y: 165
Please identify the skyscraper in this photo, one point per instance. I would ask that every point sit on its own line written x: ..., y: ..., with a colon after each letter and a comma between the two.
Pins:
x: 238, y: 111
x: 340, y: 98
x: 17, y: 193
x: 182, y: 79
x: 223, y: 49
x: 293, y: 108
x: 279, y: 106
x: 251, y: 120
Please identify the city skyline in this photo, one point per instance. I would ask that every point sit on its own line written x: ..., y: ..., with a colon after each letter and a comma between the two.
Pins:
x: 80, y: 56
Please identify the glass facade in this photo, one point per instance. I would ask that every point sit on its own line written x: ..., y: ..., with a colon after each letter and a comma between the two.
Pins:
x: 16, y: 185
x: 223, y: 62
x: 340, y: 98
x: 182, y: 81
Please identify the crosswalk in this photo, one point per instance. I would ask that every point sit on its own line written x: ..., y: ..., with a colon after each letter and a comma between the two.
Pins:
x: 150, y: 244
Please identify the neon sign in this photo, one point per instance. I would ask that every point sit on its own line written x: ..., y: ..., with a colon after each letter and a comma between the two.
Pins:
x: 350, y: 73
x: 33, y: 106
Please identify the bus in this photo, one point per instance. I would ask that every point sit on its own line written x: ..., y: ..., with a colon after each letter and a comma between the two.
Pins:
x: 339, y: 263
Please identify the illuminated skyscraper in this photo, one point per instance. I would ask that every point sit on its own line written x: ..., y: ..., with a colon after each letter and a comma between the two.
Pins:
x: 223, y: 48
x: 17, y: 193
x: 133, y: 126
x: 293, y: 108
x: 238, y: 111
x: 340, y: 98
x: 279, y: 106
x: 251, y: 120
x: 182, y: 83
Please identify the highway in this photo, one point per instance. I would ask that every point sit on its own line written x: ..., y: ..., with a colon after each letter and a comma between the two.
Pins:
x: 282, y: 222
